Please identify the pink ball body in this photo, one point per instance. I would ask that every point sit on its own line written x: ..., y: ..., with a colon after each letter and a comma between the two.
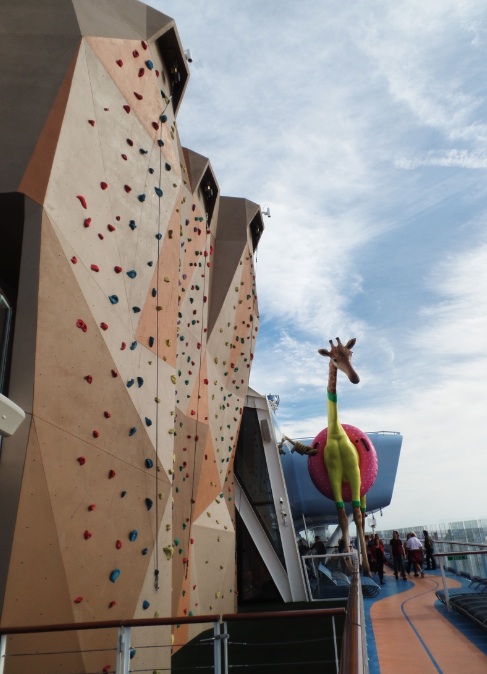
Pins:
x: 367, y: 459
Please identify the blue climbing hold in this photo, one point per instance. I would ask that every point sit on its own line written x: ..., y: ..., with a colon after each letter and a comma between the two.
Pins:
x: 123, y: 494
x: 151, y: 171
x: 148, y: 503
x: 158, y: 191
x: 133, y: 535
x: 113, y: 299
x: 149, y: 65
x: 145, y: 551
x: 151, y: 341
x: 132, y: 225
x: 140, y: 381
x: 159, y: 236
x: 132, y: 653
x: 167, y: 166
x: 136, y: 310
x: 149, y: 463
x: 132, y: 273
x: 133, y: 431
x: 148, y: 422
x: 142, y: 151
x: 160, y: 143
x: 130, y: 383
x: 150, y: 263
x: 145, y: 604
x: 163, y: 118
x: 133, y: 346
x: 154, y: 292
x: 141, y: 197
x: 114, y: 575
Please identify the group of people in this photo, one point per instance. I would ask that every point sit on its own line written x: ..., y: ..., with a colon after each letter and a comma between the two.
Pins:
x: 404, y: 557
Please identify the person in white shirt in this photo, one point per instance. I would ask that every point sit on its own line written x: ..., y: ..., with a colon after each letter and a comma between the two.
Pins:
x: 414, y: 548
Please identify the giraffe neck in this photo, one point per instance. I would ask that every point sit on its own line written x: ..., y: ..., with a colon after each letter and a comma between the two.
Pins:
x: 332, y: 407
x: 332, y: 379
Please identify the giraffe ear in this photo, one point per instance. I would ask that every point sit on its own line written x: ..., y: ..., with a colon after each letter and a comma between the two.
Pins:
x: 324, y: 352
x: 351, y: 343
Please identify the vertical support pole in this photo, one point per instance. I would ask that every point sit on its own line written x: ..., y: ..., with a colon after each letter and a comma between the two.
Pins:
x: 3, y: 652
x: 217, y: 657
x: 225, y: 648
x: 123, y: 654
x: 445, y: 587
x: 337, y: 662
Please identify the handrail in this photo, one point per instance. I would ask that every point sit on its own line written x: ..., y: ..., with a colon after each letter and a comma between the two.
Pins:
x: 311, y: 613
x: 353, y: 658
x: 108, y: 624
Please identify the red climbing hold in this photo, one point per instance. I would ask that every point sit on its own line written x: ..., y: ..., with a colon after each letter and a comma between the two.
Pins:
x: 130, y: 142
x: 141, y: 72
x: 126, y: 108
x: 144, y: 44
x: 139, y: 97
x: 119, y: 63
x: 81, y: 460
x: 118, y: 545
x: 78, y: 600
x: 74, y: 259
x: 87, y: 222
x: 205, y: 381
x: 103, y: 185
x: 117, y: 269
x: 91, y: 507
x: 87, y: 534
x: 106, y: 669
x: 107, y: 414
x: 124, y: 157
x: 112, y: 604
x: 157, y: 73
x: 100, y: 236
x: 111, y: 474
x: 81, y: 325
x: 89, y: 378
x: 82, y: 200
x: 135, y: 53
x: 92, y: 122
x: 155, y: 125
x: 96, y: 434
x: 114, y: 373
x: 123, y: 346
x: 110, y: 228
x: 127, y: 188
x: 94, y: 267
x: 103, y: 326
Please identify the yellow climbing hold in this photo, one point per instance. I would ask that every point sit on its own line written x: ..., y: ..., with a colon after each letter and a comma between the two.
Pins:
x: 168, y: 342
x: 158, y: 400
x: 168, y: 551
x: 166, y: 279
x: 173, y: 378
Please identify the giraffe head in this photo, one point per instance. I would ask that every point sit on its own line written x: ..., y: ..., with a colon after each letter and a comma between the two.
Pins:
x: 341, y: 357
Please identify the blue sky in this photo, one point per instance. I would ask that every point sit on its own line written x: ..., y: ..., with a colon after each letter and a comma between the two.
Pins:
x: 363, y: 126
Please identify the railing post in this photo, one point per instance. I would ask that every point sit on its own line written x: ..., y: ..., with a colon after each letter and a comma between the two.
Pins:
x: 3, y: 652
x: 445, y: 587
x: 225, y: 647
x: 123, y: 651
x: 217, y: 657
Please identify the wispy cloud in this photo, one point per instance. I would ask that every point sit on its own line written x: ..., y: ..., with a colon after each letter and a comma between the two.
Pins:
x: 360, y: 125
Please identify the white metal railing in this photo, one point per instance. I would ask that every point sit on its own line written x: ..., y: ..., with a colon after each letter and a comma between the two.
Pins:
x: 471, y: 563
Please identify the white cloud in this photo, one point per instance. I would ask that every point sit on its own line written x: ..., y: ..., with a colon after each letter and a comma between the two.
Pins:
x: 360, y: 124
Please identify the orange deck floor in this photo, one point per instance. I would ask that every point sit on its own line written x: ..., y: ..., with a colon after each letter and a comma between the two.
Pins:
x: 412, y: 636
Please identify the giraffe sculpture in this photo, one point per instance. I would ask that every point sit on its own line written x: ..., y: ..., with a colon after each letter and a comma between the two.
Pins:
x: 350, y: 460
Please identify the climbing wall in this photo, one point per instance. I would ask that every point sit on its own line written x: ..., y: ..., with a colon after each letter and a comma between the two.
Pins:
x: 126, y: 502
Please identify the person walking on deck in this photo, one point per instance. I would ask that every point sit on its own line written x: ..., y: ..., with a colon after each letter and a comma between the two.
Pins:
x: 415, y: 553
x: 398, y: 555
x: 429, y: 549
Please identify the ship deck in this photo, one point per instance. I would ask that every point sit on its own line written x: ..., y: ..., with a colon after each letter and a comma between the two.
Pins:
x: 410, y: 630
